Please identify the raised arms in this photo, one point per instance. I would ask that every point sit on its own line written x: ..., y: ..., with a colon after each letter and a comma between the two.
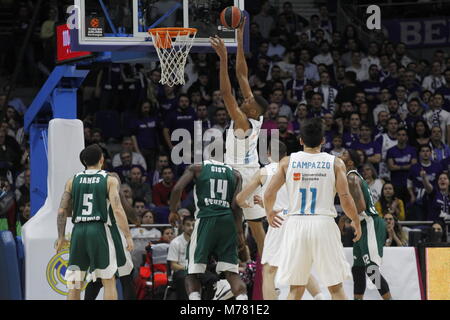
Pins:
x: 345, y: 197
x: 240, y: 119
x: 241, y: 64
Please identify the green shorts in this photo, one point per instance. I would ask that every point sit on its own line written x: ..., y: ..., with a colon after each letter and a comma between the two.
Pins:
x: 213, y: 235
x: 92, y: 251
x: 369, y: 249
x: 123, y: 256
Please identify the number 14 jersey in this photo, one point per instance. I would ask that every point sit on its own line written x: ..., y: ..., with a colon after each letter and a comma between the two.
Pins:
x: 310, y: 181
x: 214, y: 190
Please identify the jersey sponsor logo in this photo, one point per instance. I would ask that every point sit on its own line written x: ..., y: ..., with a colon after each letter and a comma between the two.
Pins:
x: 87, y: 219
x: 297, y: 176
x: 217, y: 202
x: 56, y: 271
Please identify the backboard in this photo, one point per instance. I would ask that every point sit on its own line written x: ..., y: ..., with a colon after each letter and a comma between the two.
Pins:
x: 121, y: 25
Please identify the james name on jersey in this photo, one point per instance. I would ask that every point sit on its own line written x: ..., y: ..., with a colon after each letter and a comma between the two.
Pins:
x: 89, y: 180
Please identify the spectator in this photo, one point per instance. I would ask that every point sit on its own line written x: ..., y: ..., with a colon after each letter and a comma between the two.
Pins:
x: 161, y: 191
x: 301, y: 114
x: 9, y: 219
x: 444, y: 90
x: 288, y: 138
x: 372, y: 57
x: 136, y: 158
x: 311, y: 71
x: 9, y: 156
x: 127, y: 192
x: 330, y: 131
x: 167, y: 235
x: 317, y: 110
x: 203, y: 86
x: 23, y: 192
x: 221, y: 119
x: 415, y: 183
x: 177, y: 257
x: 389, y: 203
x: 353, y: 133
x: 365, y: 143
x: 437, y: 117
x: 400, y: 55
x: 275, y: 50
x: 395, y: 235
x: 140, y: 206
x: 338, y: 148
x: 387, y: 140
x: 216, y: 103
x: 439, y: 150
x: 264, y: 20
x: 146, y: 133
x: 146, y: 232
x: 437, y: 233
x: 438, y: 198
x: 414, y: 115
x: 270, y: 121
x: 124, y: 169
x: 421, y: 134
x: 325, y: 21
x: 295, y: 88
x: 324, y: 56
x: 294, y: 21
x: 182, y: 117
x: 372, y: 86
x: 277, y: 97
x: 136, y: 182
x: 328, y: 93
x: 385, y: 95
x: 435, y: 80
x: 167, y: 102
x: 357, y: 67
x: 400, y: 159
x: 348, y: 91
x: 156, y: 176
x: 375, y: 185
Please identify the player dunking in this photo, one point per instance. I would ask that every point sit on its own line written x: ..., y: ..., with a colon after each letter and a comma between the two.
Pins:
x: 311, y: 235
x: 368, y: 251
x: 272, y: 241
x: 92, y: 245
x: 242, y: 137
x: 218, y: 224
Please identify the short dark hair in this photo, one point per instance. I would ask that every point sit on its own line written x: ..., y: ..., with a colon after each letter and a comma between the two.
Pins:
x: 188, y: 218
x: 139, y: 200
x: 423, y: 146
x: 262, y: 103
x: 312, y: 132
x: 91, y: 155
x: 165, y: 168
x: 354, y: 156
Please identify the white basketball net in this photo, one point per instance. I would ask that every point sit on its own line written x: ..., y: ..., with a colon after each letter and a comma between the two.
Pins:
x: 173, y: 58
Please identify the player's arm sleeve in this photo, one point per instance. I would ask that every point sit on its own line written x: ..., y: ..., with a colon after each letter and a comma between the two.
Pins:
x: 242, y: 72
x: 186, y: 178
x: 343, y: 191
x: 354, y: 185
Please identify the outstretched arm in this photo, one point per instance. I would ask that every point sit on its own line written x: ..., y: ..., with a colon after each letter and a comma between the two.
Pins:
x: 175, y: 195
x: 242, y: 197
x: 240, y: 119
x: 241, y: 64
x: 271, y: 193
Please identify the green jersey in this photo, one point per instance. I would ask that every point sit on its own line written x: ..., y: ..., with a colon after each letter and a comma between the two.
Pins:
x: 90, y: 197
x: 214, y: 190
x: 370, y: 206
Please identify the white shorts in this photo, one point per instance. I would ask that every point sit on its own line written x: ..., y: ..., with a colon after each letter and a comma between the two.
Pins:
x: 312, y: 241
x: 272, y: 244
x: 247, y: 174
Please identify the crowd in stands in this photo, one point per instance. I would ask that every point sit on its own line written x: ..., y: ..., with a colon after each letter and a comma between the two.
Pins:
x: 377, y: 99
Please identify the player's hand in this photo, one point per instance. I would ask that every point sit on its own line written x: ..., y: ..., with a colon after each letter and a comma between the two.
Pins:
x: 274, y: 219
x: 258, y: 200
x: 357, y: 227
x: 60, y: 244
x: 219, y: 46
x: 241, y: 30
x: 174, y: 219
x: 130, y: 243
x: 245, y: 204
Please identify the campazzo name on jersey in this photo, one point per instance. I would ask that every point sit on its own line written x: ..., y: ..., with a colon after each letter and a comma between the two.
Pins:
x: 311, y: 164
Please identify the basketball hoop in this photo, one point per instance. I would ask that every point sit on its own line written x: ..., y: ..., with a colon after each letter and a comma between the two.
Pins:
x: 173, y: 46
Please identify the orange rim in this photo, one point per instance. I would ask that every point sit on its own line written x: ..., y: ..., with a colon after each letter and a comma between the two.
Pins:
x: 173, y: 32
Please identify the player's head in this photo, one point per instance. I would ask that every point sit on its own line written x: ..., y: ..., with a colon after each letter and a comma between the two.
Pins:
x: 254, y: 107
x: 351, y: 159
x: 92, y: 156
x: 311, y: 133
x: 277, y: 145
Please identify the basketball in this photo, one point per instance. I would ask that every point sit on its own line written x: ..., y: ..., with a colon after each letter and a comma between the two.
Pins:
x: 231, y: 17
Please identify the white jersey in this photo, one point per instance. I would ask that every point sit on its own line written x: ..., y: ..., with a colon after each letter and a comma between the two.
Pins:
x: 282, y: 199
x: 243, y: 152
x: 311, y: 184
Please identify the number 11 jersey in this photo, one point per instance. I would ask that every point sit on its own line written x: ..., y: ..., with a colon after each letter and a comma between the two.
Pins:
x: 311, y: 184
